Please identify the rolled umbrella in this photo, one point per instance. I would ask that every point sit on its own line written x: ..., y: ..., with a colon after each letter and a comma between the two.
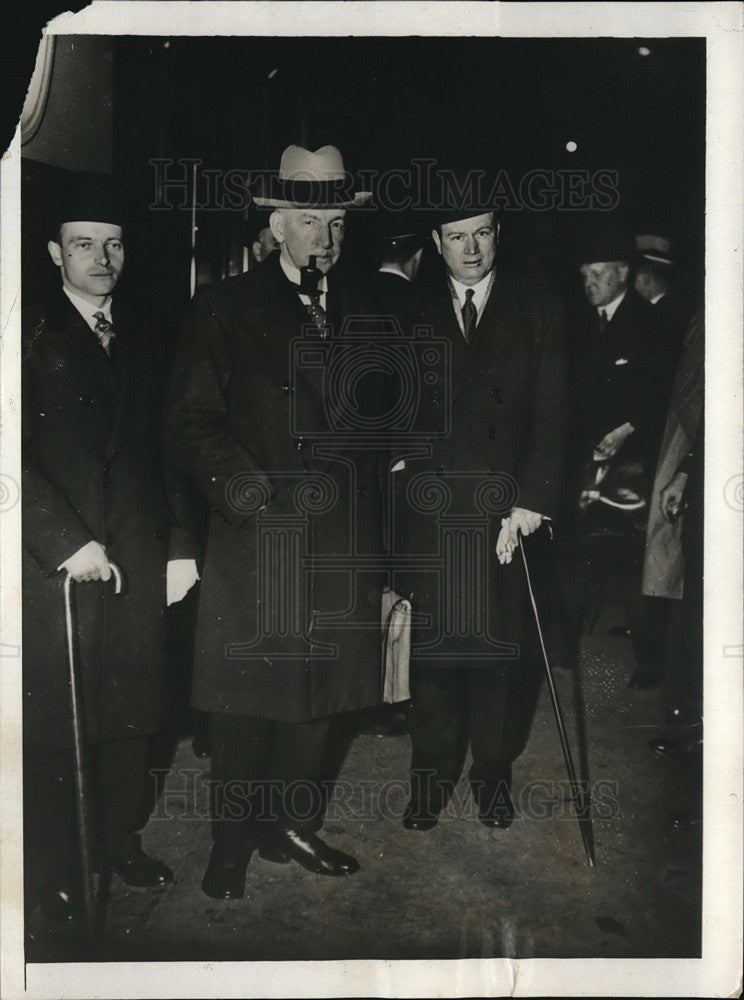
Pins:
x: 82, y: 772
x: 580, y: 797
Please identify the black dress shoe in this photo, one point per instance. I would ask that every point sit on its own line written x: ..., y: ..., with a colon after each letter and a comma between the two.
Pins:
x: 495, y: 804
x: 308, y: 850
x: 140, y: 870
x: 418, y: 816
x: 225, y: 874
x: 644, y: 681
x: 57, y: 906
x: 685, y: 818
x: 270, y: 852
x: 684, y: 746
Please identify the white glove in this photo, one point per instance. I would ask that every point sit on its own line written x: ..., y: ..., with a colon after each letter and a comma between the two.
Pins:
x: 180, y: 578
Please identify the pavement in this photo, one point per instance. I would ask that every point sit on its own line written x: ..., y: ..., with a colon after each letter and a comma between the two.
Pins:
x: 459, y: 890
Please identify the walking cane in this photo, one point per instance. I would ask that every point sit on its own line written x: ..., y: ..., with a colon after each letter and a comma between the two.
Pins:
x: 579, y: 796
x: 82, y: 777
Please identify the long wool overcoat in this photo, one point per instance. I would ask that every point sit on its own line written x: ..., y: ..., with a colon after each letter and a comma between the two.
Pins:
x: 92, y: 470
x: 267, y: 419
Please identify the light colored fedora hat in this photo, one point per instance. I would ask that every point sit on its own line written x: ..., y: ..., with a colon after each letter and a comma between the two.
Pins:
x: 311, y: 180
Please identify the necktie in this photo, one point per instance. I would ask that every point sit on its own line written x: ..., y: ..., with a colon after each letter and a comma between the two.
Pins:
x: 317, y: 312
x: 104, y: 331
x: 602, y: 321
x: 469, y: 315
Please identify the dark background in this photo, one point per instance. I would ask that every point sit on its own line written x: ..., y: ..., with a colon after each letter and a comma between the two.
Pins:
x: 235, y: 103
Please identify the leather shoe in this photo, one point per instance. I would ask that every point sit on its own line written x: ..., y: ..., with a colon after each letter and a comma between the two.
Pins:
x: 307, y: 850
x: 60, y: 905
x: 685, y: 818
x: 673, y: 746
x: 270, y: 852
x: 644, y: 681
x: 225, y: 874
x: 140, y: 870
x: 418, y: 816
x: 495, y: 804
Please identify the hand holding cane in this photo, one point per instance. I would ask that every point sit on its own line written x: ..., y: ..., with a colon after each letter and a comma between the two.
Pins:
x: 82, y: 777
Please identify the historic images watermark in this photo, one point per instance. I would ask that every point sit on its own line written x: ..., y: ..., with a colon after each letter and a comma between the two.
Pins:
x: 187, y: 795
x: 423, y: 186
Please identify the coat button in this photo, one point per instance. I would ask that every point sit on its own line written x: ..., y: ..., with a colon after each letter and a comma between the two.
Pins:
x: 105, y: 470
x: 300, y: 445
x: 496, y: 393
x: 491, y: 434
x: 362, y: 492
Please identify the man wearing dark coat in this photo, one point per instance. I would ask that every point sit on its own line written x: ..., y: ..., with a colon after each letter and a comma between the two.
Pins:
x: 481, y: 473
x: 93, y: 495
x: 288, y: 629
x: 615, y: 428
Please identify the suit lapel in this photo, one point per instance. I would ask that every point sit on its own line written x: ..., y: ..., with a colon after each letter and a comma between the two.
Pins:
x: 90, y: 360
x: 492, y: 336
x: 122, y: 366
x: 286, y: 319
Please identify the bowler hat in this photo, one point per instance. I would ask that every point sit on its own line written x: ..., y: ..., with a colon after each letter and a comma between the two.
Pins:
x: 464, y: 194
x: 605, y: 242
x: 311, y: 180
x: 87, y: 197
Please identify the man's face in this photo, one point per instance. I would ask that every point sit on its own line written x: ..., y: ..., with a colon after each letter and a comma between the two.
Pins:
x: 90, y: 256
x: 264, y: 244
x: 301, y: 232
x: 468, y: 247
x: 604, y: 281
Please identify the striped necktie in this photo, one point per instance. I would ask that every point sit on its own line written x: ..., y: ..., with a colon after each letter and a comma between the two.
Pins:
x: 104, y: 331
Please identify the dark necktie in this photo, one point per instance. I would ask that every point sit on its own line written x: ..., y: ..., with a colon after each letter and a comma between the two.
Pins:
x: 469, y: 315
x: 104, y: 331
x: 317, y: 312
x: 603, y: 321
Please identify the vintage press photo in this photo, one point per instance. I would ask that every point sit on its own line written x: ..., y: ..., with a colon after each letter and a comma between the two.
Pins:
x: 371, y: 502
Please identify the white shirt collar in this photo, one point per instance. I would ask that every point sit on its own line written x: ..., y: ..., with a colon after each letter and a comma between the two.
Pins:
x: 481, y: 291
x: 611, y: 308
x: 657, y: 298
x: 293, y: 273
x: 86, y: 309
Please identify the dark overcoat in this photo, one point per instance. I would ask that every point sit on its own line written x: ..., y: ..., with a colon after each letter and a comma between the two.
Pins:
x: 92, y: 470
x: 614, y: 379
x: 289, y: 614
x: 489, y: 435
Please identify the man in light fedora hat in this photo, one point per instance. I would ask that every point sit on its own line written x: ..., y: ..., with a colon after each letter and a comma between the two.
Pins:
x: 288, y: 628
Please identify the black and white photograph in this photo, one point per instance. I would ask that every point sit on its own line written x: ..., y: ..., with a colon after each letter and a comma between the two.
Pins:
x: 372, y: 502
